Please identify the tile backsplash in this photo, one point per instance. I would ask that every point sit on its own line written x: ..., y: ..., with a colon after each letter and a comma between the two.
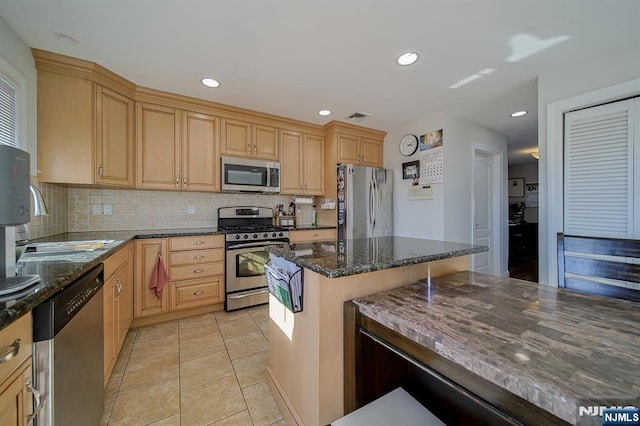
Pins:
x: 95, y: 209
x: 56, y: 222
x: 80, y: 209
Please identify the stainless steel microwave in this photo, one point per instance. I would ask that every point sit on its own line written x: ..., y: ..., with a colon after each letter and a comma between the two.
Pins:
x: 250, y: 175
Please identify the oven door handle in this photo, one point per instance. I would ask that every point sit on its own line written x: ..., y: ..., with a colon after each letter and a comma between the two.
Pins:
x: 256, y: 244
x: 247, y: 294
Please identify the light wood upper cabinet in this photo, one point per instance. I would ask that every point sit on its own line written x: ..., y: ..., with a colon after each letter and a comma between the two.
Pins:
x: 244, y: 139
x: 176, y: 149
x: 359, y: 150
x: 85, y: 132
x: 158, y: 146
x: 200, y: 165
x: 114, y: 138
x: 301, y: 163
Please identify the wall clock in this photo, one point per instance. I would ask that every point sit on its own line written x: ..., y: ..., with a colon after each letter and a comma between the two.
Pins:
x: 408, y: 144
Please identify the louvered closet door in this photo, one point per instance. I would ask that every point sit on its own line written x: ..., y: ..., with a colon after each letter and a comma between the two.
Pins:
x: 598, y: 171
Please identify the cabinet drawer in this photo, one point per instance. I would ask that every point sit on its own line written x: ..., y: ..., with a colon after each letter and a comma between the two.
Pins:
x: 196, y: 271
x: 199, y: 292
x: 115, y: 261
x: 192, y: 257
x: 196, y: 242
x: 20, y: 329
x: 312, y: 235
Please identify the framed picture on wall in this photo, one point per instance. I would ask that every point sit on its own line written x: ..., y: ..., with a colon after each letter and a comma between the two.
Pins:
x: 411, y: 170
x: 516, y: 187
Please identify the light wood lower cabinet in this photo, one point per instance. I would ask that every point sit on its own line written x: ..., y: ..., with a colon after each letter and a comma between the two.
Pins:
x: 16, y: 403
x: 308, y: 236
x: 118, y: 304
x: 146, y: 302
x: 195, y: 266
x: 196, y: 271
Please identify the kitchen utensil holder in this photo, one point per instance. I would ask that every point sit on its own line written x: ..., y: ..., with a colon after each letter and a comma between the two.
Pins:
x: 286, y: 286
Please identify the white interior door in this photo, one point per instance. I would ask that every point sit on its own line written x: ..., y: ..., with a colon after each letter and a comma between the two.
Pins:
x: 483, y: 212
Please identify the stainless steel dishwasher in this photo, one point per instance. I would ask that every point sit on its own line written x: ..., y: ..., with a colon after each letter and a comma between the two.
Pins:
x: 68, y: 353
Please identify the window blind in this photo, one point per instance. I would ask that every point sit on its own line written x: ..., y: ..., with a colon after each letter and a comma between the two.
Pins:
x: 8, y: 113
x: 598, y: 171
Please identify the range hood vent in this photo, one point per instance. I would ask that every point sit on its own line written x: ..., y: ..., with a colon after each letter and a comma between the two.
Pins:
x: 357, y: 116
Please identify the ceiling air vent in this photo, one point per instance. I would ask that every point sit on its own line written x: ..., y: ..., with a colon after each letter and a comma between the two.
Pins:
x: 357, y: 116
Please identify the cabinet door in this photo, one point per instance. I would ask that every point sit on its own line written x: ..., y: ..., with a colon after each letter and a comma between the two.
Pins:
x: 15, y: 401
x: 125, y: 300
x: 348, y: 151
x: 114, y: 138
x: 371, y: 152
x: 265, y: 142
x: 65, y: 129
x: 313, y: 161
x: 146, y: 302
x: 291, y: 180
x: 236, y: 138
x: 109, y: 324
x: 200, y: 165
x: 158, y: 143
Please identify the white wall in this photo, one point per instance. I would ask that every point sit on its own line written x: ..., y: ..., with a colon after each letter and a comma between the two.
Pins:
x: 555, y: 85
x: 449, y: 215
x: 419, y: 218
x: 16, y: 52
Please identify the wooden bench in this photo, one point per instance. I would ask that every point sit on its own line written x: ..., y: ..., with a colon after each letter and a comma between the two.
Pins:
x: 603, y: 266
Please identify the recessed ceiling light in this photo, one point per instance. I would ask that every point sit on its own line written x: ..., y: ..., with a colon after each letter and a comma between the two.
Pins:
x: 66, y: 38
x: 518, y: 114
x: 324, y: 112
x: 210, y: 82
x: 407, y: 58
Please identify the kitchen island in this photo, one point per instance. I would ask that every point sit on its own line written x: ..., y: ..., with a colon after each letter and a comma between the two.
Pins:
x: 305, y: 371
x: 513, y: 350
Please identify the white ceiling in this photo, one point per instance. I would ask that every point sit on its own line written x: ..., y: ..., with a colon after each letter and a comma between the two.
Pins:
x: 295, y: 57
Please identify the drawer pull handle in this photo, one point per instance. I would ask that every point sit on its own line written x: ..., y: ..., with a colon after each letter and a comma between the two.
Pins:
x: 197, y: 257
x: 198, y: 242
x: 10, y: 351
x: 198, y: 271
x: 198, y: 293
x: 36, y: 397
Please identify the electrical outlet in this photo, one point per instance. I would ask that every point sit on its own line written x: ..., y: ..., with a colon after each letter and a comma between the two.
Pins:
x: 96, y: 209
x: 107, y: 210
x: 192, y: 210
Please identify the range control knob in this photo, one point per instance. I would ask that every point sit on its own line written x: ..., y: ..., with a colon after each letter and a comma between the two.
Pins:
x: 246, y: 236
x: 280, y: 234
x: 255, y: 235
x: 265, y: 235
x: 237, y: 237
x: 274, y: 235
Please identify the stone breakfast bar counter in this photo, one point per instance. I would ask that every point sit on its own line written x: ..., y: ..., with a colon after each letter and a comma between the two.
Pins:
x: 305, y: 371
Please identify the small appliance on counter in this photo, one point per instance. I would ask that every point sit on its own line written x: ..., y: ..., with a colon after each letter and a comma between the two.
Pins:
x: 15, y: 210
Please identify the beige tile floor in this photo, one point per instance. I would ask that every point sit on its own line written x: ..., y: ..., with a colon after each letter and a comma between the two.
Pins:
x: 204, y: 370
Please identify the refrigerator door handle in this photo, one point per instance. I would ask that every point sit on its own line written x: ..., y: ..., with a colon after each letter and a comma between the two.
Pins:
x: 371, y: 205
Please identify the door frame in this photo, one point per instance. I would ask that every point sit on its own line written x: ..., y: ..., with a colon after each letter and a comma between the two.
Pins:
x: 498, y: 206
x: 551, y: 171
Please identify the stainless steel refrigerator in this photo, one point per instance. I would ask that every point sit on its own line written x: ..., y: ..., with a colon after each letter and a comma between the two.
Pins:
x: 365, y: 202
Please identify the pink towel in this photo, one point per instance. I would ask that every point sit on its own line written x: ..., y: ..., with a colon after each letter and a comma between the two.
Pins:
x: 159, y: 277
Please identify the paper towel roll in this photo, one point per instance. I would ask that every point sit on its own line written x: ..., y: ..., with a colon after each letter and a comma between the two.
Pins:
x: 303, y: 200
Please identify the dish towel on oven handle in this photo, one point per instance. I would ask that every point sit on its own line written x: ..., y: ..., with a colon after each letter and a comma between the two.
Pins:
x: 159, y: 277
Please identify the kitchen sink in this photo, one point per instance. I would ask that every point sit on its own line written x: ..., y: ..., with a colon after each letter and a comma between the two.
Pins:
x: 65, y: 247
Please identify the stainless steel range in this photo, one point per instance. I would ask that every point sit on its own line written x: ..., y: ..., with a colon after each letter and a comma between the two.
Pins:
x: 249, y: 230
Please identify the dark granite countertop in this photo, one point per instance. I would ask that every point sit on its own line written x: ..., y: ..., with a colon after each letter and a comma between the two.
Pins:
x: 58, y: 271
x: 552, y: 347
x: 309, y: 227
x: 362, y: 255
